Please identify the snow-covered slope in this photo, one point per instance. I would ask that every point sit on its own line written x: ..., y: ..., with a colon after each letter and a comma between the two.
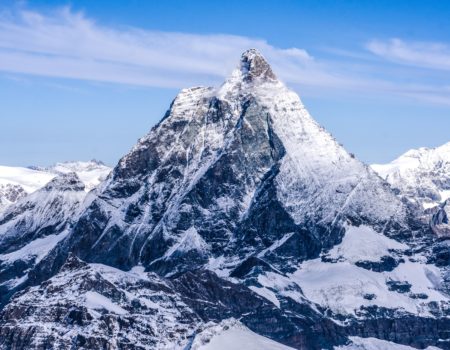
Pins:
x: 359, y: 343
x: 29, y: 179
x: 356, y: 274
x: 17, y: 182
x: 232, y: 335
x: 422, y: 175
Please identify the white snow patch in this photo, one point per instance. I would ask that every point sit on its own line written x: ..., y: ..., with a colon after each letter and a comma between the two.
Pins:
x: 342, y: 286
x: 267, y: 294
x: 37, y: 248
x: 276, y: 244
x: 444, y: 195
x: 97, y: 301
x: 190, y: 240
x: 364, y: 243
x: 376, y: 344
x: 428, y: 205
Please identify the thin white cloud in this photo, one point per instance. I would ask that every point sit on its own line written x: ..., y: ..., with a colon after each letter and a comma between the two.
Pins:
x: 67, y: 44
x: 421, y: 54
x: 70, y: 45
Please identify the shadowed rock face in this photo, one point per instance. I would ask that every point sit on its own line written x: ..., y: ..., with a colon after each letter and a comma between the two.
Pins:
x: 440, y: 220
x: 254, y: 67
x: 232, y: 196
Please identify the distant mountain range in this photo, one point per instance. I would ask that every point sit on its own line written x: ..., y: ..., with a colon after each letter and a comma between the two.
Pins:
x: 17, y: 182
x: 236, y: 222
x: 423, y: 175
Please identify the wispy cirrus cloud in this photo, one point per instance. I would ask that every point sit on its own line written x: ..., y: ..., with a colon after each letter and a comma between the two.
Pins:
x: 67, y: 44
x: 70, y: 45
x: 421, y: 54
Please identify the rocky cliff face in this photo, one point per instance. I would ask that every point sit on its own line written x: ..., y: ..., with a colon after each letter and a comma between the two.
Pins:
x: 238, y: 205
x: 10, y: 193
x: 440, y: 220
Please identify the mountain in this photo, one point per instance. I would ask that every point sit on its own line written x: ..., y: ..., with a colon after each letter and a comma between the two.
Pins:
x: 17, y: 182
x: 237, y: 205
x: 226, y: 174
x: 422, y: 175
x: 91, y: 173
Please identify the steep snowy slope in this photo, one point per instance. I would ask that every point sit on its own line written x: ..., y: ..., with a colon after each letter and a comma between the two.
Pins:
x: 17, y: 182
x: 248, y: 209
x: 423, y: 175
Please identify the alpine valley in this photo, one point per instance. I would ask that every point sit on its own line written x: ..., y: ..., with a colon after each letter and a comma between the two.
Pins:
x: 237, y: 222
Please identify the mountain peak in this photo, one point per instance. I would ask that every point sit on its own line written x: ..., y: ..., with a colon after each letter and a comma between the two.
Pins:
x: 65, y: 182
x: 253, y: 65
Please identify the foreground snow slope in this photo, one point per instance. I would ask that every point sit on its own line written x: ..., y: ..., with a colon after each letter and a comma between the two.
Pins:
x: 376, y: 344
x: 233, y: 335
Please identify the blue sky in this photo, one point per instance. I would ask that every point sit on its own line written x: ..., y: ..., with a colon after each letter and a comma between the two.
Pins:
x: 86, y: 79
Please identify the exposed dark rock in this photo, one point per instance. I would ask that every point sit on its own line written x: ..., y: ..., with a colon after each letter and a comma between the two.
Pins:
x: 387, y: 263
x: 399, y: 286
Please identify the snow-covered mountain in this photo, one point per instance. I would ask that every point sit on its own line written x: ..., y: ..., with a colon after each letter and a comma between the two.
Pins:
x: 35, y: 220
x: 237, y: 205
x: 32, y: 226
x: 17, y: 182
x: 422, y: 175
x: 91, y: 173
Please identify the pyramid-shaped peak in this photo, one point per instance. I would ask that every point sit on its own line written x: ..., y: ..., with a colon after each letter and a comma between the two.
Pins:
x: 254, y: 66
x: 65, y: 182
